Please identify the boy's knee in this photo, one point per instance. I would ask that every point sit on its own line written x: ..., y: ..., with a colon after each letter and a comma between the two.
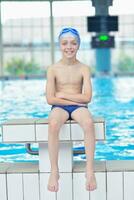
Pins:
x: 54, y: 124
x: 87, y: 123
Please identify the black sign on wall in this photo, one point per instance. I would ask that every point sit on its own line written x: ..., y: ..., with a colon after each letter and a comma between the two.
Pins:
x: 102, y: 23
x: 103, y: 41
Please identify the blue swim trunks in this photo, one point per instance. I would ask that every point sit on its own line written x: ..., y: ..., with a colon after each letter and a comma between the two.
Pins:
x: 68, y: 108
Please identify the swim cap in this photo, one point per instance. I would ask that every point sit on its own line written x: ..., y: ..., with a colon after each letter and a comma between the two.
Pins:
x: 70, y: 32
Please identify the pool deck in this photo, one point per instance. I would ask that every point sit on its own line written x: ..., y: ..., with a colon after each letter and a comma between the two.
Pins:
x: 23, y: 181
x: 79, y: 166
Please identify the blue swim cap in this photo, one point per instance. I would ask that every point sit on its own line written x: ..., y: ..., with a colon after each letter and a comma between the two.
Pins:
x: 70, y: 31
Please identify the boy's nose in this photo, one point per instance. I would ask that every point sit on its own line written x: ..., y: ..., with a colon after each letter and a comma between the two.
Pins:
x: 69, y: 45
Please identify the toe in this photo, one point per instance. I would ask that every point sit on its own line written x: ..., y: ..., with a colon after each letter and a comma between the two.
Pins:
x: 87, y: 188
x: 50, y: 188
x: 56, y: 188
x: 92, y: 187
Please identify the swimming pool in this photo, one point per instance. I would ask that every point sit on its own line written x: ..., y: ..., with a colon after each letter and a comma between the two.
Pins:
x: 113, y: 99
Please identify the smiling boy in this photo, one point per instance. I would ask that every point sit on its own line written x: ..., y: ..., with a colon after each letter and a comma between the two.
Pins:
x: 69, y: 91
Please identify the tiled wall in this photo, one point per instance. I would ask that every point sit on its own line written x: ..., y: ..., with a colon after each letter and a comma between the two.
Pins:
x: 33, y: 186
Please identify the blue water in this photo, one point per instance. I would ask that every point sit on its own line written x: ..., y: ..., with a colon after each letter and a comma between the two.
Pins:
x: 113, y: 99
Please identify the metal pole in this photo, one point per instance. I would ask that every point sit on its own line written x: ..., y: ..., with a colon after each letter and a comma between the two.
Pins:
x: 52, y: 33
x: 103, y: 55
x: 1, y: 47
x: 29, y: 150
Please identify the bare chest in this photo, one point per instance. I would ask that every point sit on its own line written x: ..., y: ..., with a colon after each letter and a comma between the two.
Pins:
x: 68, y: 76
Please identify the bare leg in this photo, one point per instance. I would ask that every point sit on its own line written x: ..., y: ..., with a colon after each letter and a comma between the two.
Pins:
x: 56, y: 119
x: 89, y: 142
x: 83, y: 117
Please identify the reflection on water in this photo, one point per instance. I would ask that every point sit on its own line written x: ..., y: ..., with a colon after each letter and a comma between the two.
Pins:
x: 113, y: 99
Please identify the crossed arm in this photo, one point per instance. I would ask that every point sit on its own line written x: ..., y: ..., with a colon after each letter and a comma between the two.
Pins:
x: 61, y: 98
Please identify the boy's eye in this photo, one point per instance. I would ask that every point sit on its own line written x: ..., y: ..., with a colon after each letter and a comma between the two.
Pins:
x: 64, y: 43
x: 74, y: 43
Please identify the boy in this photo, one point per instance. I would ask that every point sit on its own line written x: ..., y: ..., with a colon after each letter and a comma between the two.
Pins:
x: 69, y: 90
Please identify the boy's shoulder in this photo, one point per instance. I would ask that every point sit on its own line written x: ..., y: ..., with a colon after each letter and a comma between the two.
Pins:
x: 51, y: 68
x: 84, y: 67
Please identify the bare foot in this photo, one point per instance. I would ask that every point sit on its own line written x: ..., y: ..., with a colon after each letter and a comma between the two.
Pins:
x: 53, y: 184
x: 90, y: 181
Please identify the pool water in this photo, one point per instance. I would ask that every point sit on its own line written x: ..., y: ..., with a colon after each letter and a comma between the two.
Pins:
x: 113, y: 99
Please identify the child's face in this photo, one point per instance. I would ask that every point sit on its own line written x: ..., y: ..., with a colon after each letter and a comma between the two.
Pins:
x: 69, y: 46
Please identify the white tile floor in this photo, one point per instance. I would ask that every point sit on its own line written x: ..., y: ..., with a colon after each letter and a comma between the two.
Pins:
x: 22, y: 181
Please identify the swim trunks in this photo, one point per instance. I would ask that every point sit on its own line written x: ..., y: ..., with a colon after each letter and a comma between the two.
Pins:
x: 68, y: 108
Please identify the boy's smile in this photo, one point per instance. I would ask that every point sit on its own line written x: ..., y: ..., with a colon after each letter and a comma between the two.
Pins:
x: 69, y: 46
